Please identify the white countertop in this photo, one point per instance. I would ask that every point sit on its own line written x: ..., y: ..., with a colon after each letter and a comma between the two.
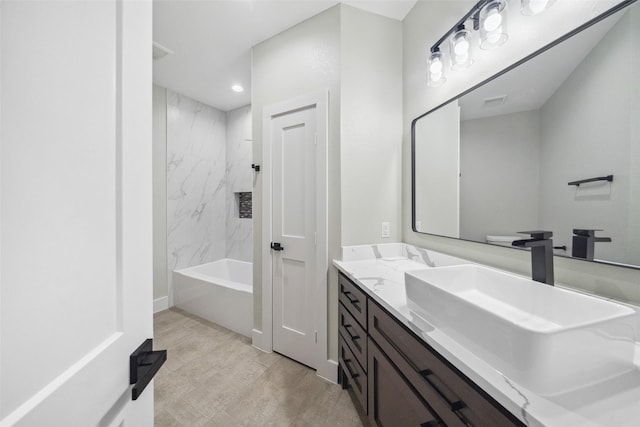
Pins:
x: 379, y: 270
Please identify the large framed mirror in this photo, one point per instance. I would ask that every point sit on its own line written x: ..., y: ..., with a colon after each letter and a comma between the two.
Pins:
x: 550, y: 143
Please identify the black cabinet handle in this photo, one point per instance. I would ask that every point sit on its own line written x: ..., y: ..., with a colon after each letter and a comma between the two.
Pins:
x: 454, y: 406
x: 352, y: 336
x: 429, y: 424
x: 353, y: 300
x: 351, y: 373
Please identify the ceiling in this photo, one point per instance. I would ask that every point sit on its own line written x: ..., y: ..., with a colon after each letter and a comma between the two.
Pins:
x: 551, y: 69
x: 211, y: 40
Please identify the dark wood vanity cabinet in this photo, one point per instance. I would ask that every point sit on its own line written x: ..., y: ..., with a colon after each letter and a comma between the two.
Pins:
x: 352, y: 342
x: 399, y: 379
x: 392, y: 399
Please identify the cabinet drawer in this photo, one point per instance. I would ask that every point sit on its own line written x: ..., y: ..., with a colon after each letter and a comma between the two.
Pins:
x: 353, y: 299
x: 454, y: 397
x: 356, y: 377
x: 392, y: 400
x: 354, y: 335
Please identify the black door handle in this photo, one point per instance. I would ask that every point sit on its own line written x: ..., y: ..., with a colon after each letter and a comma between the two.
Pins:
x: 276, y: 246
x: 144, y: 363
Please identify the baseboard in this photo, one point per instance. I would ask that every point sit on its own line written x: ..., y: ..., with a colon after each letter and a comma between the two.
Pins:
x: 256, y: 340
x: 160, y: 304
x: 328, y: 370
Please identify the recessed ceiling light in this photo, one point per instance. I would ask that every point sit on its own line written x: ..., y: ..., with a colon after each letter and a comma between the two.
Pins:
x: 237, y: 88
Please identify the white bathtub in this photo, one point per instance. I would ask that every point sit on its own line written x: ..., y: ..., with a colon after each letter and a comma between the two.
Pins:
x: 219, y: 291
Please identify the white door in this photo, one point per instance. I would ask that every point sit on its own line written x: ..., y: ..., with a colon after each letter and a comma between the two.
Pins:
x: 75, y: 211
x: 294, y: 223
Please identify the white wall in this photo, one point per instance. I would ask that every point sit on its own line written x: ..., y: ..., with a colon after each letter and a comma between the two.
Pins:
x: 356, y: 56
x: 500, y: 164
x: 371, y: 126
x: 159, y: 192
x: 586, y: 133
x: 196, y: 166
x: 239, y: 178
x: 302, y: 59
x: 423, y: 26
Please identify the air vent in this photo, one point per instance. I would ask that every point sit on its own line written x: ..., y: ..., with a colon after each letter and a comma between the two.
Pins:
x: 160, y: 51
x: 494, y: 101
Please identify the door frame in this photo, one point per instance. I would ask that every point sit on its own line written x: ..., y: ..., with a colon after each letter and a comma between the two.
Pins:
x: 320, y: 99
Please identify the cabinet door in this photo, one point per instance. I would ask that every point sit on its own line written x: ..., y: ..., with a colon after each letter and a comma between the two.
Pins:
x: 392, y: 401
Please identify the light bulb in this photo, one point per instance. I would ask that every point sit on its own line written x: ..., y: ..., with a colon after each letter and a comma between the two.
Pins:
x: 492, y: 21
x: 461, y: 47
x: 534, y: 7
x: 537, y: 6
x: 436, y: 66
x: 494, y: 38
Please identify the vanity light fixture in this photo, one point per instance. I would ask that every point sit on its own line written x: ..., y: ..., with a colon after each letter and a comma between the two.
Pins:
x: 489, y: 18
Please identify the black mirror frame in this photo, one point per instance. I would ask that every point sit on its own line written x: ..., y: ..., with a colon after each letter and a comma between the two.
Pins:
x: 579, y: 29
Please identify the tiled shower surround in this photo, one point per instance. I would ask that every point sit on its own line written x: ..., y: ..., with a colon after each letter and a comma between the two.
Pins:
x: 239, y: 180
x: 208, y: 159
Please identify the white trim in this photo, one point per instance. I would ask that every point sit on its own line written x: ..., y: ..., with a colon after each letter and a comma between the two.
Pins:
x: 320, y: 100
x: 160, y: 304
x: 256, y: 340
x: 328, y: 370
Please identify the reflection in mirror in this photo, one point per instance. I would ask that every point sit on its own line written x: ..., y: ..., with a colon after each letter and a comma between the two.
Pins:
x: 500, y: 158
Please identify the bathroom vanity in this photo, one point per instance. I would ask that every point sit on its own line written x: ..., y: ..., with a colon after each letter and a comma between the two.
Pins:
x: 406, y: 371
x: 398, y: 378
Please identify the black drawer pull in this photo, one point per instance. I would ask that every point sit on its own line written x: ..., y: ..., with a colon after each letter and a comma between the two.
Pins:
x: 353, y: 300
x: 454, y: 406
x: 351, y: 373
x: 429, y: 424
x: 353, y: 337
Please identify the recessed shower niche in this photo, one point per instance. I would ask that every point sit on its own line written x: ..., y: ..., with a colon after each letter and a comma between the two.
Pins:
x: 243, y: 204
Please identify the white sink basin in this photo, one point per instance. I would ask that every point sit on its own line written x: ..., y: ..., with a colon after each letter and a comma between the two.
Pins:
x: 547, y: 339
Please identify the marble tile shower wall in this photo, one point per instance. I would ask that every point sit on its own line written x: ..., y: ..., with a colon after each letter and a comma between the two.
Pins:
x: 239, y: 179
x: 196, y: 168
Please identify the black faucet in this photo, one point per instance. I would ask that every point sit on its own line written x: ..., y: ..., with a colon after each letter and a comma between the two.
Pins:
x: 541, y: 254
x: 584, y: 242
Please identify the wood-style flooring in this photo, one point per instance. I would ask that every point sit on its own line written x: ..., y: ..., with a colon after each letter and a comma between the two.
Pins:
x: 214, y: 377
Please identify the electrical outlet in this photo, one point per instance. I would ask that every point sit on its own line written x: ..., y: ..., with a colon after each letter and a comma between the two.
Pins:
x: 385, y: 229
